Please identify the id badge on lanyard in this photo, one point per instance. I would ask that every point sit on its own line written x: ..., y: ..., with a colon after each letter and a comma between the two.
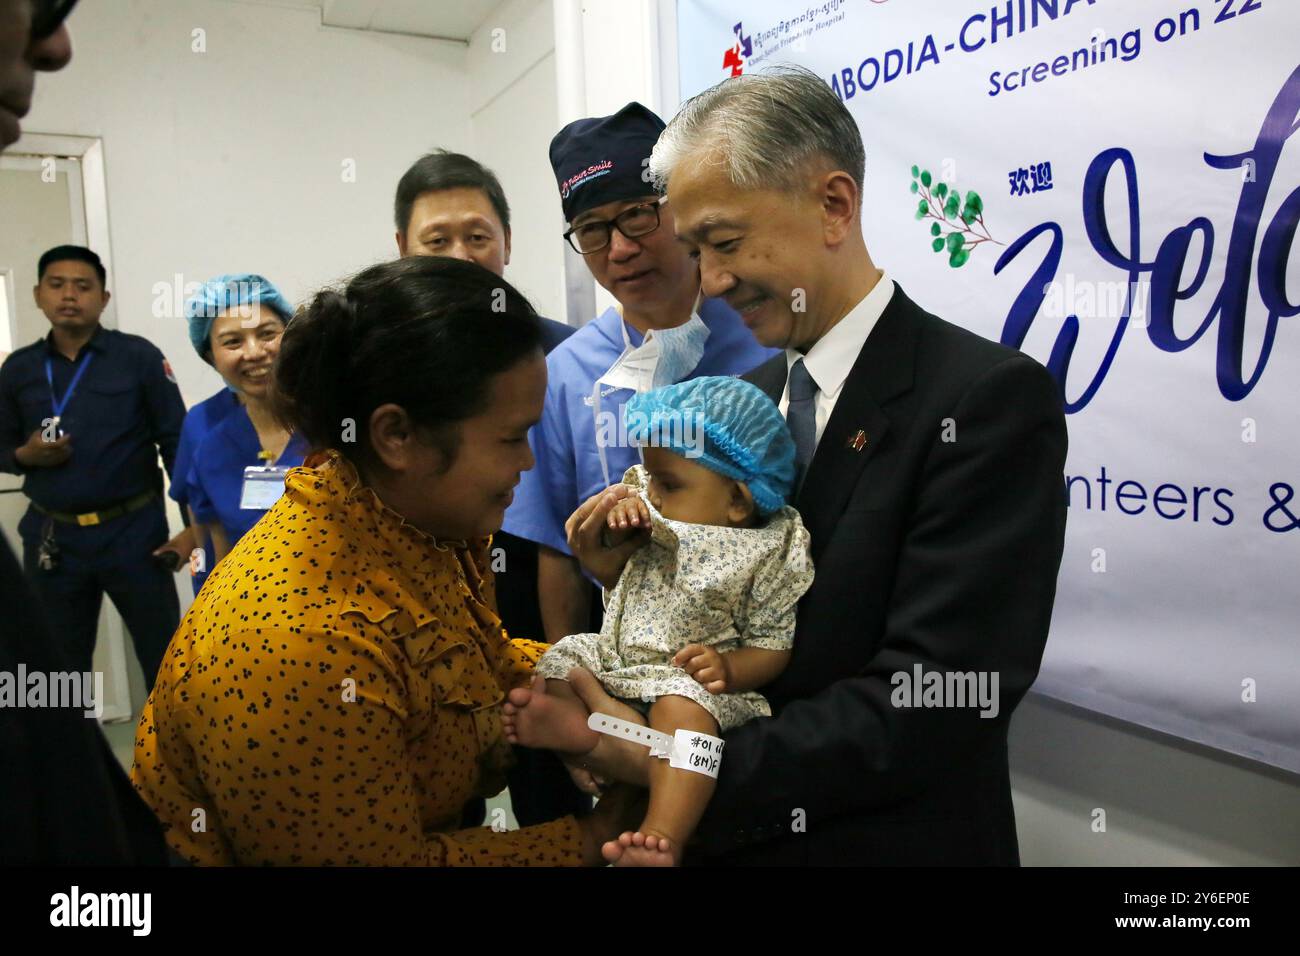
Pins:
x: 263, y: 486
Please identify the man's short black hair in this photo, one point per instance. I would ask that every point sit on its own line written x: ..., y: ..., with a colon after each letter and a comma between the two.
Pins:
x: 72, y: 254
x: 441, y: 170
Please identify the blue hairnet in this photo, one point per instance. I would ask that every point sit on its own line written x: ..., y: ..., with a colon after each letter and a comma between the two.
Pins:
x: 227, y: 292
x: 725, y: 424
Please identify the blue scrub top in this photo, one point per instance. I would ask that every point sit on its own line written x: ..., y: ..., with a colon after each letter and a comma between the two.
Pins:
x: 567, y: 471
x: 199, y: 423
x: 216, y: 478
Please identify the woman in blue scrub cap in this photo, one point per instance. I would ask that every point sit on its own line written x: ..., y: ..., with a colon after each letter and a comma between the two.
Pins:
x: 235, y: 325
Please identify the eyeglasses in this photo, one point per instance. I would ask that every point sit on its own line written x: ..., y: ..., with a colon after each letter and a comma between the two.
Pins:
x: 639, y: 220
x: 48, y: 16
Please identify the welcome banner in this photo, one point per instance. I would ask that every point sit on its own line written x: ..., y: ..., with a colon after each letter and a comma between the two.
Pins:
x: 1110, y: 186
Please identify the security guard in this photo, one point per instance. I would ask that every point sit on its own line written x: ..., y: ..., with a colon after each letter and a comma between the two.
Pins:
x: 84, y: 413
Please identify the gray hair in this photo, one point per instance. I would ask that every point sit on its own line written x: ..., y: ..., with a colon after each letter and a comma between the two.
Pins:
x: 763, y: 129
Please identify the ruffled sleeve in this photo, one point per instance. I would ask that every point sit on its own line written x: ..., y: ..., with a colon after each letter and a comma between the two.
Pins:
x: 781, y: 579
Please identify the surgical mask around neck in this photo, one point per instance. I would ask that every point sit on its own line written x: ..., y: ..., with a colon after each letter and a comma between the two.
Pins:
x: 664, y: 357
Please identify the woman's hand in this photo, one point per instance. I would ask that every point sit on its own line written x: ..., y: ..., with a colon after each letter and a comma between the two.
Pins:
x: 613, y: 758
x: 182, y: 546
x: 706, y: 665
x: 622, y: 808
x: 585, y: 531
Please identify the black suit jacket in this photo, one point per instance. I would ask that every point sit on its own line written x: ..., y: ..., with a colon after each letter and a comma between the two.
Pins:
x: 936, y: 536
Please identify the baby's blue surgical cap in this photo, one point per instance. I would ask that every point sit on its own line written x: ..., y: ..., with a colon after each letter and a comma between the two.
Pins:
x: 225, y: 293
x: 725, y: 424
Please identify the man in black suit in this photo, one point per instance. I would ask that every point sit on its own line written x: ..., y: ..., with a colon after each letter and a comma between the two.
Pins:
x: 931, y: 484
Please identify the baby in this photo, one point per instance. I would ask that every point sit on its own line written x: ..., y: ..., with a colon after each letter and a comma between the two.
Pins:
x: 703, y: 614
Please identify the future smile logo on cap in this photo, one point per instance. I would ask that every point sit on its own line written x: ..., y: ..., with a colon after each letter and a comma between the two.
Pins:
x: 600, y: 160
x: 583, y: 177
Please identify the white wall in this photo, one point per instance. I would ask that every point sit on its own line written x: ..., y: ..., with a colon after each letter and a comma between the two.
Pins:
x: 1168, y: 802
x: 513, y: 115
x: 232, y: 160
x: 609, y: 53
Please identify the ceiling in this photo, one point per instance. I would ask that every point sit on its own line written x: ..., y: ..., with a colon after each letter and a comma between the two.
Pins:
x: 449, y: 19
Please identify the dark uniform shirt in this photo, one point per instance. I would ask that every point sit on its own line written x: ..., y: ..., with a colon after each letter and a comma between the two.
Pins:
x: 125, y: 410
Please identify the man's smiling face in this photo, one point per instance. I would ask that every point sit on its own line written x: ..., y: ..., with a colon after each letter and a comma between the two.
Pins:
x: 763, y: 250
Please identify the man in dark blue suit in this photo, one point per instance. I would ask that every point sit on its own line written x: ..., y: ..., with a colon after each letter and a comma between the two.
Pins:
x: 930, y: 479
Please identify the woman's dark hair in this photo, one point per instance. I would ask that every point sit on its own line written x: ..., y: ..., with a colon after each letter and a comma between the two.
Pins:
x: 427, y: 333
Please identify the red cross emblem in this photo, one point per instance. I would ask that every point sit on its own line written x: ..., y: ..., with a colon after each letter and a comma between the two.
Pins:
x: 858, y: 441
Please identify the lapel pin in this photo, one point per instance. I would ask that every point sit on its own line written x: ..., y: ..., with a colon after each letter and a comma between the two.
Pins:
x: 858, y: 441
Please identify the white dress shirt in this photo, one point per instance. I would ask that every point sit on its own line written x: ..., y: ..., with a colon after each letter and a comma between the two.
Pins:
x: 831, y: 358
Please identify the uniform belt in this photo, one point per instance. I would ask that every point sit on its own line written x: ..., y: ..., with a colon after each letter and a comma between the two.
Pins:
x: 89, y: 518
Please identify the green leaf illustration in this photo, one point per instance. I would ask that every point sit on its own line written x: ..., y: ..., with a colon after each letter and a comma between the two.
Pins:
x: 953, y: 227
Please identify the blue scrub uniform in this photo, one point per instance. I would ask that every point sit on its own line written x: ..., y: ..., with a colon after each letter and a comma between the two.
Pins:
x: 124, y: 411
x: 199, y: 422
x: 216, y: 478
x: 568, y: 470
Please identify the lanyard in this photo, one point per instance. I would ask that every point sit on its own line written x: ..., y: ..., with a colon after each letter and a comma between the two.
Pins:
x: 82, y: 365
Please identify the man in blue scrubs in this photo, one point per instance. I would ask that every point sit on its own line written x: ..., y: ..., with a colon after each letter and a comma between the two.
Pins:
x: 84, y: 414
x: 625, y: 235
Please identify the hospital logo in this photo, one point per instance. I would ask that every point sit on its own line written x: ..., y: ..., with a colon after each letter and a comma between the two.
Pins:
x: 741, y: 50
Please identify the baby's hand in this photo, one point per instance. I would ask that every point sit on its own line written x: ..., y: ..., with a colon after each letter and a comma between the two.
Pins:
x: 627, y: 518
x: 630, y: 512
x: 706, y: 665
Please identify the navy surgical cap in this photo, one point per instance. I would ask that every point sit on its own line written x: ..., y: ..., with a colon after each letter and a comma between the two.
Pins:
x: 603, y: 159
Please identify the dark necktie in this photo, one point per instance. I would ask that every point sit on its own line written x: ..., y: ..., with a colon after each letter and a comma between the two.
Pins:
x: 801, y: 416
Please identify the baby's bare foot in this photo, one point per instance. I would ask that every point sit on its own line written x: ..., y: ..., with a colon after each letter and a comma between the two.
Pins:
x: 640, y: 849
x: 534, y: 718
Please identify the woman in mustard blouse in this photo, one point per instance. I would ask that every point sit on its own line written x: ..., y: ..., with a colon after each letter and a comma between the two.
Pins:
x: 333, y: 695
